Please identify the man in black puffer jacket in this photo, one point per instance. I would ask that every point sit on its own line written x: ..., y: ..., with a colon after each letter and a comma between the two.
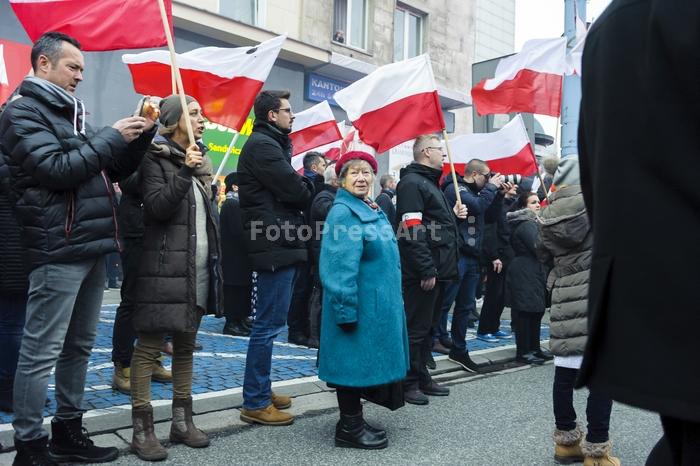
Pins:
x: 429, y: 247
x: 272, y: 197
x: 61, y: 173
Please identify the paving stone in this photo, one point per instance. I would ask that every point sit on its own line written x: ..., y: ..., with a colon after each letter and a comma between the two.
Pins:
x: 217, y: 403
x: 6, y: 458
x: 219, y: 421
x: 315, y: 402
x: 110, y: 440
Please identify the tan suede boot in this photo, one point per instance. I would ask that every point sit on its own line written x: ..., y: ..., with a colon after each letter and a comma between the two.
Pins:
x: 567, y: 446
x: 121, y: 380
x: 160, y: 373
x: 182, y: 429
x: 281, y: 401
x: 598, y: 454
x: 144, y: 442
x: 269, y: 416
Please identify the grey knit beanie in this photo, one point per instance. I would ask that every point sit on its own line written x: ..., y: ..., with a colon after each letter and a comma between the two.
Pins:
x: 171, y: 110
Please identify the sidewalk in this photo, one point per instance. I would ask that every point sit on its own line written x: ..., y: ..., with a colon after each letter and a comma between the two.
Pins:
x: 218, y: 377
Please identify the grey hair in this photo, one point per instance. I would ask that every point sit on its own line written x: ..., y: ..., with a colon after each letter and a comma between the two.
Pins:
x: 350, y: 164
x: 329, y: 175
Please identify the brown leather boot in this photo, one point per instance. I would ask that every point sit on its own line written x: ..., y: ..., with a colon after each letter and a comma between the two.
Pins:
x: 281, y: 401
x: 121, y: 380
x: 567, y: 448
x: 182, y: 429
x: 598, y: 454
x: 160, y: 373
x: 144, y: 442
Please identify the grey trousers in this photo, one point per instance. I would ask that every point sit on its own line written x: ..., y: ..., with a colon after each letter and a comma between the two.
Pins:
x: 63, y: 309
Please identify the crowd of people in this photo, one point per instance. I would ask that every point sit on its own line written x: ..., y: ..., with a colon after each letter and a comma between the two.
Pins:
x: 303, y: 251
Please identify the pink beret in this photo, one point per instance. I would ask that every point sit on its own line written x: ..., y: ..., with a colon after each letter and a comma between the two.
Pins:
x: 355, y: 155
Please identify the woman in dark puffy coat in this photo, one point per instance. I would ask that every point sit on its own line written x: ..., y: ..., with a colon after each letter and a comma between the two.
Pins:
x: 568, y: 238
x: 179, y: 276
x: 525, y: 280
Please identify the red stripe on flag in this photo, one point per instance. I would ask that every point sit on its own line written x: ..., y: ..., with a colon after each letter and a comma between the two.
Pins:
x: 400, y: 121
x: 315, y: 136
x: 17, y: 65
x: 224, y: 101
x: 411, y: 223
x: 522, y: 163
x: 528, y: 92
x: 97, y: 24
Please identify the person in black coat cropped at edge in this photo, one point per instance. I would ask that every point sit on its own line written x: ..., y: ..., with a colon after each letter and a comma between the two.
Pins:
x: 14, y: 284
x: 641, y: 192
x: 321, y: 205
x: 238, y: 284
x: 526, y: 279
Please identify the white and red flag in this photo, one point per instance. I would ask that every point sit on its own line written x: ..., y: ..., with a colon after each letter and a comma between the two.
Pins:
x: 96, y: 24
x: 393, y: 104
x: 314, y: 127
x: 225, y: 81
x: 529, y: 81
x: 331, y: 150
x: 15, y: 64
x: 507, y: 151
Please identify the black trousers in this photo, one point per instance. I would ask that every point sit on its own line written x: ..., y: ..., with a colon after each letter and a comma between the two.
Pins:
x: 298, y: 317
x: 680, y: 445
x: 527, y: 335
x: 494, y: 302
x: 315, y: 306
x: 349, y: 401
x: 237, y: 302
x: 597, y: 409
x: 422, y: 314
x: 123, y: 334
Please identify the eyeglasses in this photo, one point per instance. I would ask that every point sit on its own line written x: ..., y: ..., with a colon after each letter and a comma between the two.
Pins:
x: 434, y: 148
x: 288, y: 110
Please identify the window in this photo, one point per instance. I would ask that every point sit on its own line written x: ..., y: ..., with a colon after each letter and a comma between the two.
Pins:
x: 408, y: 34
x: 245, y: 11
x: 350, y: 23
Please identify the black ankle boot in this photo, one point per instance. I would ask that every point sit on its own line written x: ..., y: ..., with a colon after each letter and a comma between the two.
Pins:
x: 70, y: 444
x: 33, y: 453
x: 350, y: 432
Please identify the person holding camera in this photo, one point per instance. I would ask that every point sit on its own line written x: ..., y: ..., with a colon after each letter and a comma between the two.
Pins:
x: 477, y: 191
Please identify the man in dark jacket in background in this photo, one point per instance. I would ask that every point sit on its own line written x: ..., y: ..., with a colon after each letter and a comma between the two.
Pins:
x: 273, y: 197
x: 640, y: 85
x: 428, y: 244
x: 65, y: 206
x: 238, y: 276
x: 385, y: 200
x: 477, y: 190
x: 321, y: 205
x: 298, y: 318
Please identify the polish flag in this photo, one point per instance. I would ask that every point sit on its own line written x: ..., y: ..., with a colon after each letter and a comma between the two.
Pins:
x: 225, y: 81
x: 529, y: 81
x: 313, y: 128
x: 507, y: 151
x: 331, y: 150
x: 393, y: 104
x: 96, y: 24
x: 575, y: 56
x: 15, y: 64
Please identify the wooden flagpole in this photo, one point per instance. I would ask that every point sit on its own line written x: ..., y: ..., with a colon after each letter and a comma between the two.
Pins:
x: 227, y: 155
x: 452, y: 166
x: 176, y: 71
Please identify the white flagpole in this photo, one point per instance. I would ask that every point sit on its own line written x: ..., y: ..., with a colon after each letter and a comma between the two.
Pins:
x: 227, y: 155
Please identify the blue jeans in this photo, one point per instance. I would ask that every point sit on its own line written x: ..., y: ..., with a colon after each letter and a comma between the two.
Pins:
x: 274, y: 297
x: 465, y: 305
x: 62, y: 314
x: 12, y: 313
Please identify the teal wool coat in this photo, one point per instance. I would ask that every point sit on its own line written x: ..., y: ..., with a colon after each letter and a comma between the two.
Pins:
x: 360, y: 271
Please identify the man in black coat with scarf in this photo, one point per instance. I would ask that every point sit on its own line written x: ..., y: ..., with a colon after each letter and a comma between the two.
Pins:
x: 62, y: 174
x: 640, y: 160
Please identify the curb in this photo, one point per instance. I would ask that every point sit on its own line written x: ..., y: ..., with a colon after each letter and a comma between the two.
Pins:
x: 217, y: 413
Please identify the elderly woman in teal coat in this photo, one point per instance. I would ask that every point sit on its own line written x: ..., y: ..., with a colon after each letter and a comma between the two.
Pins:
x: 363, y: 326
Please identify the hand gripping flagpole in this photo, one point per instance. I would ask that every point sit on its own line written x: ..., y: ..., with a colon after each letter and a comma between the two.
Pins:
x: 452, y: 166
x: 176, y: 71
x: 227, y: 155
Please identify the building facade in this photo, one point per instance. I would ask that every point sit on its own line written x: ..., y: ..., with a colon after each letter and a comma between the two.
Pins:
x: 494, y: 29
x: 331, y: 43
